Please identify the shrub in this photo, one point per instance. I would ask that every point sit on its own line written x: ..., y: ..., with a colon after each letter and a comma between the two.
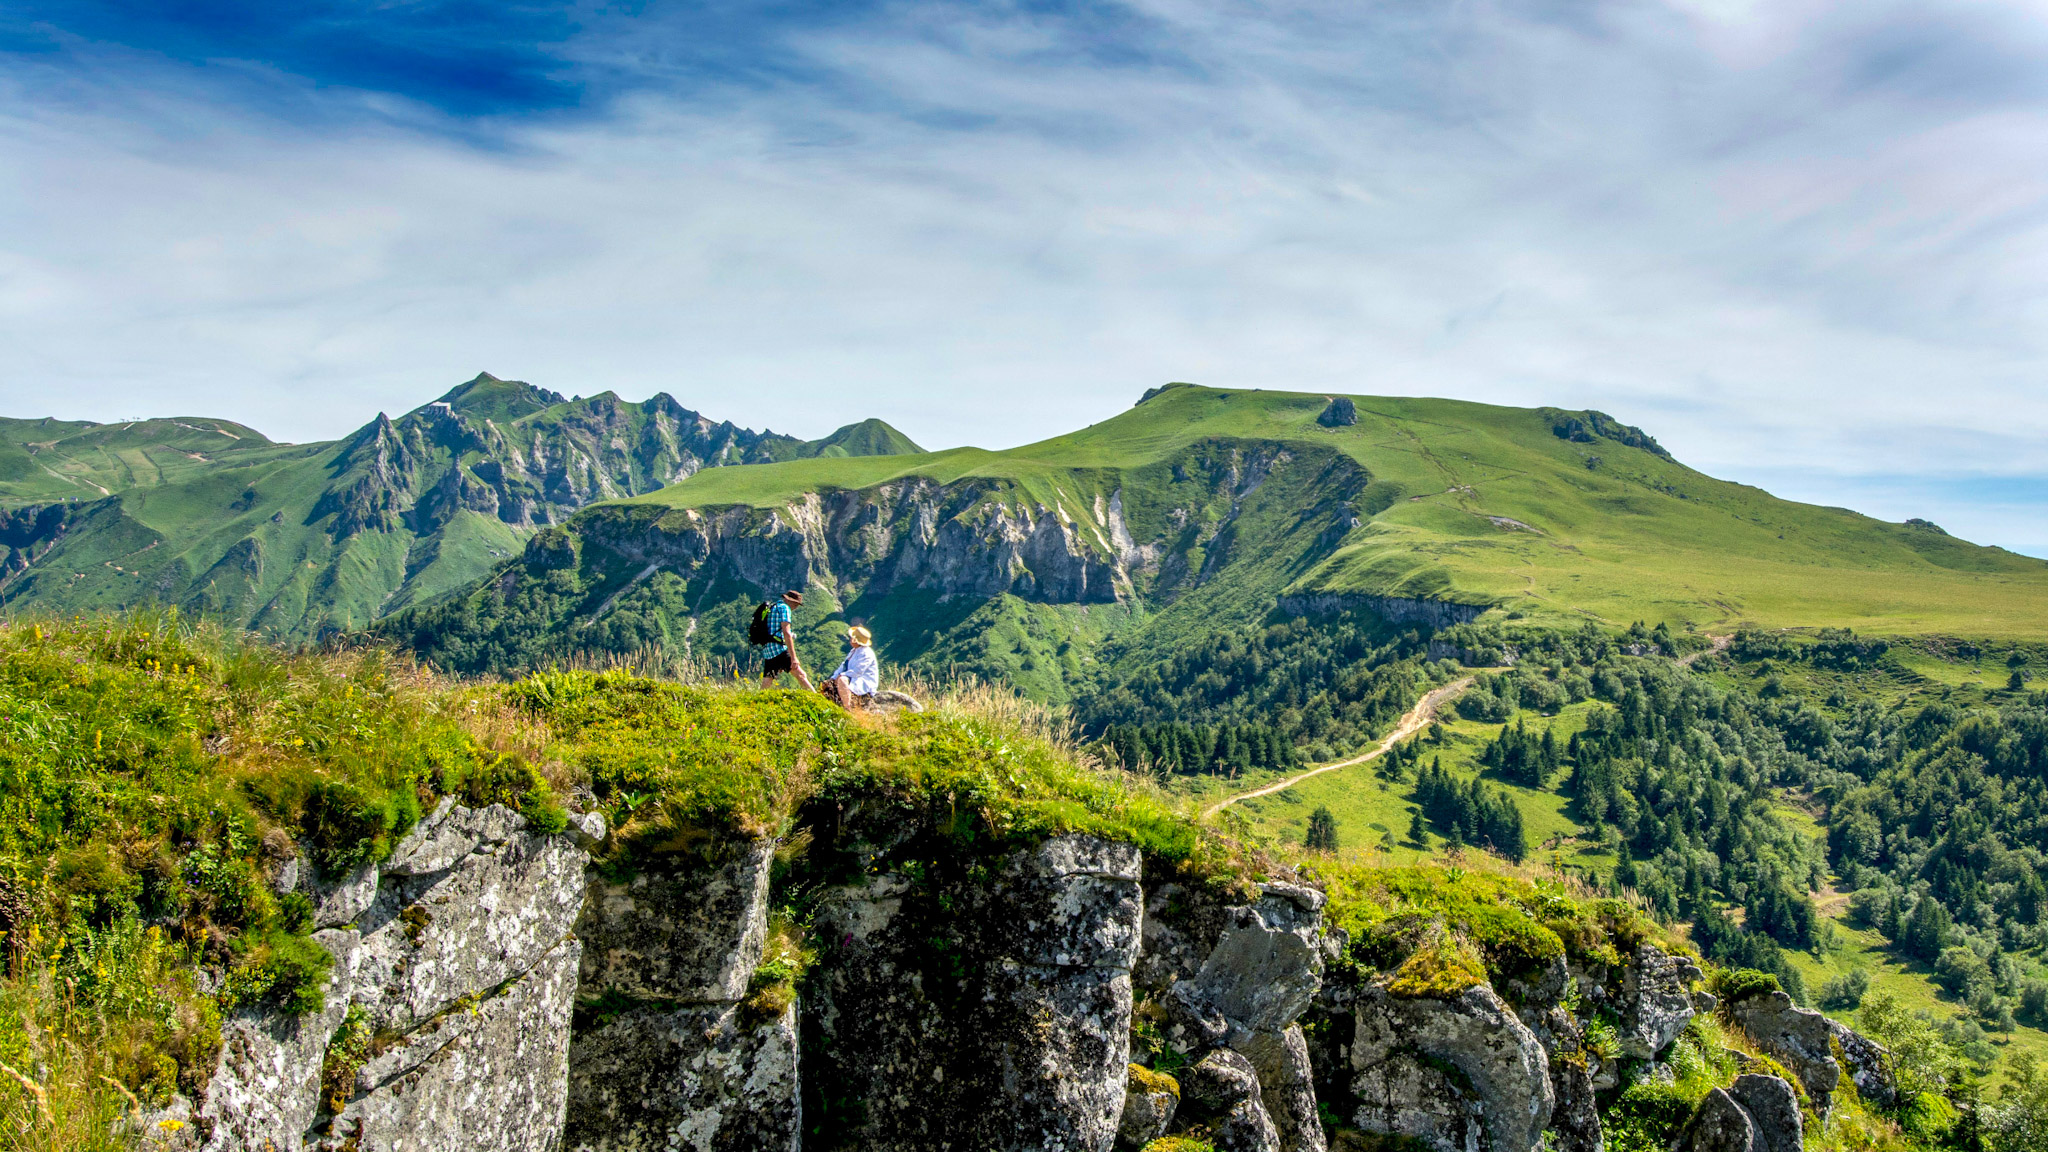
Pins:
x: 1736, y: 984
x: 1845, y: 992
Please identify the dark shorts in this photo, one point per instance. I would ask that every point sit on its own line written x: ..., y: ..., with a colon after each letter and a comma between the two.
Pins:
x: 777, y: 665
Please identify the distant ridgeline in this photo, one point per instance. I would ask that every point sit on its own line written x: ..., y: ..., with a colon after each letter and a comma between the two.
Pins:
x: 1216, y: 558
x: 305, y: 540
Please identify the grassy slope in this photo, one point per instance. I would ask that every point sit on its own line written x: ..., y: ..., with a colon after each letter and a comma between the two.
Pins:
x: 48, y: 460
x: 1633, y: 536
x: 1366, y: 804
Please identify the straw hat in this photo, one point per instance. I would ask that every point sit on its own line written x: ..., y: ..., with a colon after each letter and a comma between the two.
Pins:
x: 860, y: 635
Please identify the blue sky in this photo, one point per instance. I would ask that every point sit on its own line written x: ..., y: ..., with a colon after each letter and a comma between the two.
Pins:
x: 1805, y: 243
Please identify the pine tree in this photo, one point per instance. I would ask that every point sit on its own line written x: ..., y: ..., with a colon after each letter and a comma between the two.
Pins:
x: 1418, y: 832
x: 1322, y: 831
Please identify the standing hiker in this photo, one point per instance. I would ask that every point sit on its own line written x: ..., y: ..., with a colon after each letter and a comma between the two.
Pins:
x: 778, y: 649
x: 853, y: 683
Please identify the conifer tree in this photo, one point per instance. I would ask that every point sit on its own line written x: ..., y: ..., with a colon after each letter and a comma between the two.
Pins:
x: 1322, y: 830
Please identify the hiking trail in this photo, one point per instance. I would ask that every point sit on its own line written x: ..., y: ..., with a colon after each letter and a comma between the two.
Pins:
x: 1413, y: 721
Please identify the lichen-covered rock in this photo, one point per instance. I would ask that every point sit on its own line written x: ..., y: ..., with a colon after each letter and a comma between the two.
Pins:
x: 461, y: 957
x: 491, y: 1075
x: 1262, y: 973
x: 1150, y: 1099
x: 1720, y: 1125
x: 989, y: 1012
x: 468, y: 901
x: 1287, y: 1087
x: 339, y: 903
x: 267, y: 1083
x: 1503, y: 1081
x: 1774, y: 1110
x: 1656, y: 1000
x: 1800, y: 1039
x: 265, y: 1090
x: 1869, y: 1065
x: 1575, y: 1114
x: 685, y: 932
x: 696, y: 1078
x: 1223, y: 1088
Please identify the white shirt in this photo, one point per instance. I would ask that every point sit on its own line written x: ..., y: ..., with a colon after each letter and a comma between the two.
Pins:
x: 862, y: 673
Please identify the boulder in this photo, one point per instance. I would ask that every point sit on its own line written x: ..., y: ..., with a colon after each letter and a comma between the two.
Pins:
x: 1800, y: 1039
x: 1261, y: 974
x: 698, y: 1078
x: 1773, y: 1109
x: 1501, y: 1098
x: 1656, y: 1000
x: 1150, y: 1099
x: 1223, y: 1088
x: 1720, y: 1125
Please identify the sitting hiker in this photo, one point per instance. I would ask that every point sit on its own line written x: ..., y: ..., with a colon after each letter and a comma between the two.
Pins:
x: 854, y: 682
x: 778, y: 655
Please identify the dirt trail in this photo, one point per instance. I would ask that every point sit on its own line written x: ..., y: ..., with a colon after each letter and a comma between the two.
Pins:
x: 1414, y: 721
x: 1720, y: 645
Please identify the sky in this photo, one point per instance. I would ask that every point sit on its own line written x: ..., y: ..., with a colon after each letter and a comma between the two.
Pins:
x: 1803, y: 243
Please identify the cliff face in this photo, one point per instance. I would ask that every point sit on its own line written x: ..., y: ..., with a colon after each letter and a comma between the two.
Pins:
x: 518, y: 999
x: 1207, y: 539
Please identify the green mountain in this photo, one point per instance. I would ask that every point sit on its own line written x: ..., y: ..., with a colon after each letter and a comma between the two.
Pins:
x: 303, y: 540
x: 1132, y: 559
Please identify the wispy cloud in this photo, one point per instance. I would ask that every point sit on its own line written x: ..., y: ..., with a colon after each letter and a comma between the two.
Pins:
x: 1799, y: 240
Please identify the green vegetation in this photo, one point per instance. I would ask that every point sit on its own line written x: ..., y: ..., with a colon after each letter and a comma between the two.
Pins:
x: 1553, y: 514
x: 301, y: 541
x: 152, y: 779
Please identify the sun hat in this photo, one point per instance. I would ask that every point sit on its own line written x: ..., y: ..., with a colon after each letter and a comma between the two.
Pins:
x: 793, y: 596
x: 860, y: 635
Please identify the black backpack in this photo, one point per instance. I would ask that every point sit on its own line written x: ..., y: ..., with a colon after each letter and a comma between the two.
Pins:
x: 757, y: 632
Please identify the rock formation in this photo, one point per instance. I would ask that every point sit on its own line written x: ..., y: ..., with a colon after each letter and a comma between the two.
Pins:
x: 956, y: 1001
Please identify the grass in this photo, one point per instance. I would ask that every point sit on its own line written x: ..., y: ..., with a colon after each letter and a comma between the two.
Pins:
x: 1367, y: 805
x: 155, y: 776
x: 1483, y: 504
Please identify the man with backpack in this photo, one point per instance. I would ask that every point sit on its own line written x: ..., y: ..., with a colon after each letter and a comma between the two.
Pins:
x: 773, y: 633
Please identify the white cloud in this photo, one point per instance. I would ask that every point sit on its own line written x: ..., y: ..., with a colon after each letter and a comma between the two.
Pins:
x: 1749, y: 227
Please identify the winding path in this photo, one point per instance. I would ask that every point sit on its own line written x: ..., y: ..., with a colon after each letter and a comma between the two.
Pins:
x: 1412, y: 722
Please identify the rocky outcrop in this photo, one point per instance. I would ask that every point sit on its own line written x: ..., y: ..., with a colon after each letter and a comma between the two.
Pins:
x: 671, y: 1057
x: 1773, y: 1108
x: 1657, y: 999
x: 1240, y: 977
x: 457, y: 953
x: 991, y: 1014
x: 1460, y: 1075
x: 1799, y: 1038
x: 1869, y: 1065
x: 1393, y: 609
x: 958, y: 1000
x: 266, y: 1087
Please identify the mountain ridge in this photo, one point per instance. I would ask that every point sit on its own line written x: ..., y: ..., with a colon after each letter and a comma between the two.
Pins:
x: 305, y: 540
x: 1078, y: 567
